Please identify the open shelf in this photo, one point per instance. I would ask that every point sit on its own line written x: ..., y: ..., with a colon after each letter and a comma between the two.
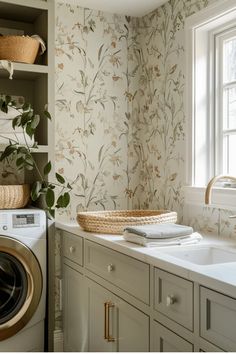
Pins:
x: 41, y: 149
x: 25, y: 11
x: 25, y: 71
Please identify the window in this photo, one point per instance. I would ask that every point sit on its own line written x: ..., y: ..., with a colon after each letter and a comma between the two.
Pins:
x: 210, y: 99
x: 225, y: 101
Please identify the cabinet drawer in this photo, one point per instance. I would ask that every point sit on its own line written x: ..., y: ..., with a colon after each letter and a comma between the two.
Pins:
x: 174, y: 298
x: 167, y: 341
x: 218, y: 319
x: 73, y: 247
x: 123, y: 271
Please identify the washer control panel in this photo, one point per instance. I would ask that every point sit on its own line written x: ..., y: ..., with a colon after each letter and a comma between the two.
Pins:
x: 25, y: 220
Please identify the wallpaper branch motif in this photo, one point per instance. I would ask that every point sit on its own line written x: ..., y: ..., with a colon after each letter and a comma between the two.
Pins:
x: 161, y: 105
x: 95, y: 101
x: 120, y: 86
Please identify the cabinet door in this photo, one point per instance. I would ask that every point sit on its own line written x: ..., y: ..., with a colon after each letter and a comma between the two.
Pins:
x: 114, y: 325
x: 101, y: 322
x: 132, y: 332
x: 218, y: 319
x: 74, y: 312
x: 167, y: 341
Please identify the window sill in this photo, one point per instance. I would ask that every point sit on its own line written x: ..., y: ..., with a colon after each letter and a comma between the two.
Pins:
x: 223, y: 198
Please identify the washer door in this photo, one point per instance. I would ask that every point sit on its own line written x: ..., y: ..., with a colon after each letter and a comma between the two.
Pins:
x: 20, y: 286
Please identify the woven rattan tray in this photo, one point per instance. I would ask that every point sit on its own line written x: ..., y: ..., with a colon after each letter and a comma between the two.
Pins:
x: 114, y: 222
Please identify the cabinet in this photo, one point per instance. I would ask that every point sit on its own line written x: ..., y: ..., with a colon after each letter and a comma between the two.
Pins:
x: 112, y: 266
x: 218, y: 319
x: 105, y: 312
x: 167, y: 341
x: 115, y: 325
x: 174, y: 297
x: 94, y: 318
x: 33, y: 82
x: 74, y: 310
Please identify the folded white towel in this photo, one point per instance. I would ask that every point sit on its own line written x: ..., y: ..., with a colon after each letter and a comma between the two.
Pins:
x: 184, y: 240
x: 7, y: 65
x: 159, y: 231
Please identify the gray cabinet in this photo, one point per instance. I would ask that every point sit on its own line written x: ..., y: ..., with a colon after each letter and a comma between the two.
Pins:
x: 74, y: 311
x: 167, y: 341
x: 114, y: 302
x: 113, y: 266
x: 174, y: 298
x: 114, y: 325
x: 218, y: 319
x: 95, y: 319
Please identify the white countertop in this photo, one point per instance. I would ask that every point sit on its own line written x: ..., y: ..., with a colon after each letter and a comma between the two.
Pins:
x: 220, y: 277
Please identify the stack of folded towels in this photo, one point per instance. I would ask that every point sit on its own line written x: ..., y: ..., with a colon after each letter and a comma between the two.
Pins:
x: 161, y: 235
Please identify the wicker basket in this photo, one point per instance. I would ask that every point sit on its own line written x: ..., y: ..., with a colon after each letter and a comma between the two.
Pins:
x: 114, y: 222
x: 19, y: 49
x: 14, y: 196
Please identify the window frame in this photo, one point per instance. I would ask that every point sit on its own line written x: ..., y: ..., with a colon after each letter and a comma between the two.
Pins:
x: 220, y: 36
x: 208, y: 21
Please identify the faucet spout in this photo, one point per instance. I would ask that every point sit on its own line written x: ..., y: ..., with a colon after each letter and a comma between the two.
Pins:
x: 211, y: 184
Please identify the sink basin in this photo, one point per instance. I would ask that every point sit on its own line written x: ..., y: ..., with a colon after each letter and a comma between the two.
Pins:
x: 204, y: 255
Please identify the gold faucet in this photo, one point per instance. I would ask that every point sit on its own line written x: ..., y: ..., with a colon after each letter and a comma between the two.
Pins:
x: 212, y: 182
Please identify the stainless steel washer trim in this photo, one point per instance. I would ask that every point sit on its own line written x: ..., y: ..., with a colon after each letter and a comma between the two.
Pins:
x: 35, y: 284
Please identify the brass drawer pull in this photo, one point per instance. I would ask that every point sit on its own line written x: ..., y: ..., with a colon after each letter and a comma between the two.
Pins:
x: 107, y: 336
x: 105, y: 320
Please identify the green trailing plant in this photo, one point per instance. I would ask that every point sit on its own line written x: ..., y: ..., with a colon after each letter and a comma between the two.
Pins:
x: 28, y: 121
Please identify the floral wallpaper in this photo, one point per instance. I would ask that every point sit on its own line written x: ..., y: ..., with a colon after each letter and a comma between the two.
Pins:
x: 95, y: 87
x: 160, y: 105
x: 119, y: 88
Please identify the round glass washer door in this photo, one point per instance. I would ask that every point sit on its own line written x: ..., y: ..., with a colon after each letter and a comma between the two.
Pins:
x: 20, y: 286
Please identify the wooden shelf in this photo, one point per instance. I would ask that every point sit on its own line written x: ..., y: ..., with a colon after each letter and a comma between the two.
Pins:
x: 22, y: 10
x: 42, y: 149
x: 25, y: 71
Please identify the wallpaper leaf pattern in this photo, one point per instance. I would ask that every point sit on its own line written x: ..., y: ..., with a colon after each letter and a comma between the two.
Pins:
x: 161, y: 108
x: 119, y: 86
x: 94, y: 95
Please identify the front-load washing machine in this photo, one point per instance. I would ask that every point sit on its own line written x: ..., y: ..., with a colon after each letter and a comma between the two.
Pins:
x: 22, y: 280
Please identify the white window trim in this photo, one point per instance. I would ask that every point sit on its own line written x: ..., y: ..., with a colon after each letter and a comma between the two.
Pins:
x: 222, y: 197
x: 220, y: 85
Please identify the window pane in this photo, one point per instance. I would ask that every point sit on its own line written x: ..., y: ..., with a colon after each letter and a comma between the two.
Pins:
x: 229, y: 108
x: 229, y: 154
x: 230, y: 60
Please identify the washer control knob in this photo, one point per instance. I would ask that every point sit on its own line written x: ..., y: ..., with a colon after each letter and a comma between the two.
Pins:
x: 4, y: 227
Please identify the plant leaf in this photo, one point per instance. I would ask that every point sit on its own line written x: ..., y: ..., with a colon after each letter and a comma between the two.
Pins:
x: 63, y: 201
x: 50, y: 198
x: 60, y: 178
x: 35, y: 121
x: 47, y: 168
x: 35, y: 191
x: 47, y: 114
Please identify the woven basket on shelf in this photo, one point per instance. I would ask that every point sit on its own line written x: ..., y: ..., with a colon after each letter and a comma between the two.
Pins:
x: 14, y: 196
x: 114, y: 222
x: 19, y: 49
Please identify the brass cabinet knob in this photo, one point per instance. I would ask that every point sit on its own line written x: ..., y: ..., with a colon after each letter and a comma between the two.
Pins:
x: 110, y: 268
x: 170, y: 300
x: 72, y: 249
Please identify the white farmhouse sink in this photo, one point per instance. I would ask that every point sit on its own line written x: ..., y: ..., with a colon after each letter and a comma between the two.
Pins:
x: 204, y: 255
